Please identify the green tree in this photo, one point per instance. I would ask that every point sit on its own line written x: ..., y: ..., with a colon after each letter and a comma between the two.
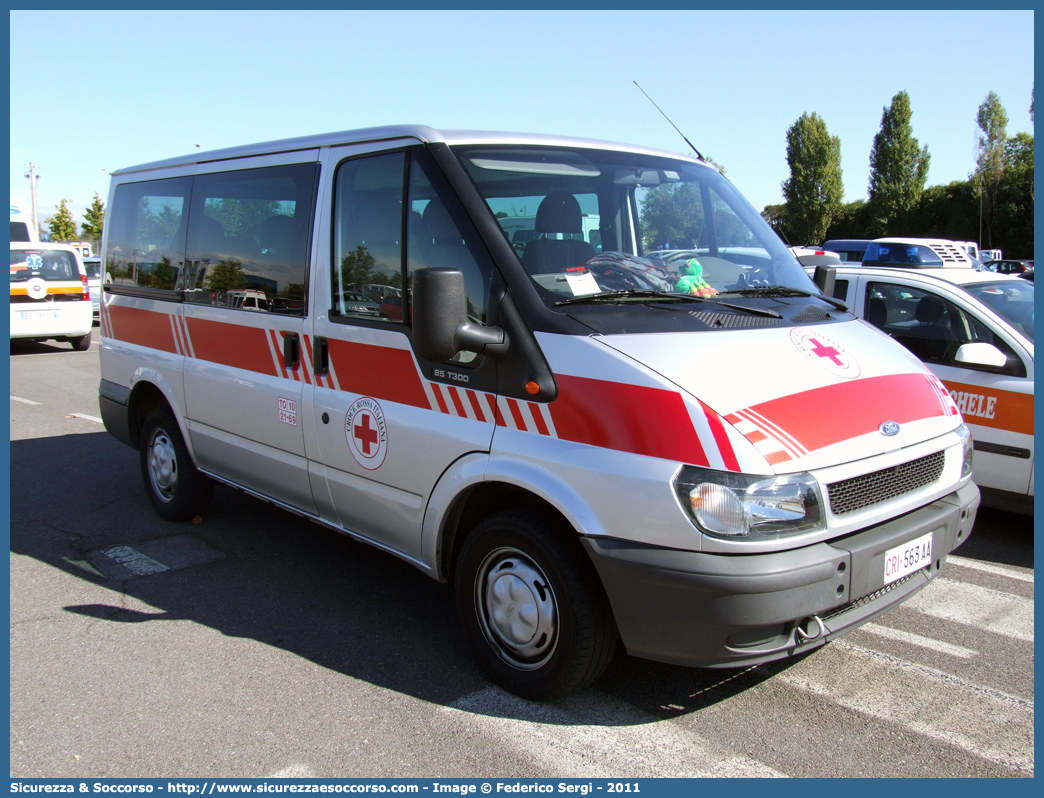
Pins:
x: 163, y: 275
x: 62, y: 226
x: 814, y: 190
x: 93, y: 220
x: 852, y: 220
x: 990, y: 163
x: 357, y: 269
x: 1015, y: 198
x: 898, y: 169
x: 227, y: 275
x: 672, y: 215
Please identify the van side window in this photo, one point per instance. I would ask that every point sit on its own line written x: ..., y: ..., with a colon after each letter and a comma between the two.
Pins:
x: 441, y: 235
x: 248, y: 239
x: 147, y: 234
x: 366, y: 276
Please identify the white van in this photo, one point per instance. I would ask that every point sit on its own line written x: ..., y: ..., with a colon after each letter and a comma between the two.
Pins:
x: 705, y: 459
x: 22, y: 227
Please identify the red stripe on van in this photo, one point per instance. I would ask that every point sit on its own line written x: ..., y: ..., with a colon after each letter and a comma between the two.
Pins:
x: 834, y: 413
x: 516, y: 414
x: 476, y: 405
x: 142, y: 327
x: 629, y: 418
x: 231, y: 345
x: 721, y: 438
x: 455, y: 396
x: 538, y: 419
x: 378, y: 371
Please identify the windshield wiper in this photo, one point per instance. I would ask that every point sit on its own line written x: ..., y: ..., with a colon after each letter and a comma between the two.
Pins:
x: 662, y: 296
x: 785, y: 290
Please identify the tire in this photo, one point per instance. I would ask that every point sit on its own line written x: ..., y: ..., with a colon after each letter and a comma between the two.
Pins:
x: 177, y: 490
x: 81, y: 343
x: 534, y: 612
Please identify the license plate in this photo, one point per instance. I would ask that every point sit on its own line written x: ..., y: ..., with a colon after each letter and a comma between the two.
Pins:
x: 29, y: 315
x: 906, y: 559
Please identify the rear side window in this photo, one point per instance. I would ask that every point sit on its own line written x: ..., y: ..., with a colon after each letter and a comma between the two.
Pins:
x: 19, y: 231
x: 147, y: 234
x: 44, y: 264
x: 248, y: 239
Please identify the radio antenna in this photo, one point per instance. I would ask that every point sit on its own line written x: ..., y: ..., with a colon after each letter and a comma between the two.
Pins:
x: 698, y: 155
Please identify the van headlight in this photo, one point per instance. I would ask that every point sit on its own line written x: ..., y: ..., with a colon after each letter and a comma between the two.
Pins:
x: 739, y: 506
x: 969, y: 449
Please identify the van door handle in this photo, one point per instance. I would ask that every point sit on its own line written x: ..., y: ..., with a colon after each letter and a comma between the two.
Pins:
x: 291, y: 350
x: 321, y: 356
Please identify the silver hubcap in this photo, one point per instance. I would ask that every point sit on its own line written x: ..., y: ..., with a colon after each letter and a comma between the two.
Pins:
x: 517, y: 608
x: 163, y: 465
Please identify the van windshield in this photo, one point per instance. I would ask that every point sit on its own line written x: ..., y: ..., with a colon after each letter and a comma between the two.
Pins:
x: 598, y: 222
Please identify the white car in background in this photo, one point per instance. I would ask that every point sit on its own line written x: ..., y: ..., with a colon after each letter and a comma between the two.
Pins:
x: 94, y: 282
x: 50, y: 298
x: 974, y: 330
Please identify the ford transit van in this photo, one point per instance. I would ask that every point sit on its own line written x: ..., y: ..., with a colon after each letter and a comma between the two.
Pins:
x: 701, y: 457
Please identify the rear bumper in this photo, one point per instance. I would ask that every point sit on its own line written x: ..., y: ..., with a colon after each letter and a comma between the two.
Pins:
x: 51, y: 319
x: 697, y: 609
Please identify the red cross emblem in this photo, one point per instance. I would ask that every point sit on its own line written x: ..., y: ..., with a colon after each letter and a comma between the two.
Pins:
x: 363, y: 433
x: 826, y: 351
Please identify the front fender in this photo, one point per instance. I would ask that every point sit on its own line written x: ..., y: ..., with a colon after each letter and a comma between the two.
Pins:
x: 477, y: 468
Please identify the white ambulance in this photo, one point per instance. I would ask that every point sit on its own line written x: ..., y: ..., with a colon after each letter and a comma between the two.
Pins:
x: 50, y: 297
x: 705, y: 459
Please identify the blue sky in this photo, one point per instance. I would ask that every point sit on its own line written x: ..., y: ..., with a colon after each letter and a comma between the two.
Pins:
x: 141, y: 86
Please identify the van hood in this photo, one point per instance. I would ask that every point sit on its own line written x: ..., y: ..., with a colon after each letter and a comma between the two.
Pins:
x: 803, y: 397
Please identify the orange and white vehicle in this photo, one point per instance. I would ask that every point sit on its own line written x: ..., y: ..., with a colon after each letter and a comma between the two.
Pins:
x: 50, y: 298
x: 975, y: 331
x: 694, y: 453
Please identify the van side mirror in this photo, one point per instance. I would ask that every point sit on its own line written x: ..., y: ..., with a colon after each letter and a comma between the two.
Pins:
x: 441, y: 327
x: 981, y: 354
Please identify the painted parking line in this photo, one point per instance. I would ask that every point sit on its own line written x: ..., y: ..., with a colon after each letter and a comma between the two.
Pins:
x: 990, y: 568
x: 572, y: 739
x: 23, y: 401
x: 86, y: 417
x: 980, y: 607
x: 985, y: 722
x: 917, y: 640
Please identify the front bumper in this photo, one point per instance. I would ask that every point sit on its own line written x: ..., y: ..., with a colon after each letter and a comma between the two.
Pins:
x: 697, y: 609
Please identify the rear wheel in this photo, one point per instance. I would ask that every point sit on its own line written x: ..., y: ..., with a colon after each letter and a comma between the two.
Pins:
x: 81, y: 343
x: 176, y: 488
x: 534, y: 611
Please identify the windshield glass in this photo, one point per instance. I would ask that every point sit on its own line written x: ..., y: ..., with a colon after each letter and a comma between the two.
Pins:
x: 46, y: 264
x: 590, y: 222
x: 1010, y: 299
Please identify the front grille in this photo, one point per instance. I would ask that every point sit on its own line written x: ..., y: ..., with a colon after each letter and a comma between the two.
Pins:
x: 862, y: 491
x: 859, y: 602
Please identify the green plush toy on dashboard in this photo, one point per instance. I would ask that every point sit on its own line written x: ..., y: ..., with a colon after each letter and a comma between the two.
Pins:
x: 691, y: 280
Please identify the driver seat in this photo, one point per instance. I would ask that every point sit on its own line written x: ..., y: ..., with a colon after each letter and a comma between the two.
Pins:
x: 559, y: 213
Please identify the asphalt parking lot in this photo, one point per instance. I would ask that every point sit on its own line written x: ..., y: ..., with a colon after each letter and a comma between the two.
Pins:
x: 267, y: 645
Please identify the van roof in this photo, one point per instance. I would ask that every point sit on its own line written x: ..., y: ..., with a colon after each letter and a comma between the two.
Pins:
x: 397, y: 133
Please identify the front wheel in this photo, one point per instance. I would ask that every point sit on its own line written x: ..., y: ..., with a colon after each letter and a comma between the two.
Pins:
x: 176, y: 488
x: 534, y: 611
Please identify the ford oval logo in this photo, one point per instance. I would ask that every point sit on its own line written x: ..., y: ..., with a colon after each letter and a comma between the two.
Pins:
x: 889, y: 428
